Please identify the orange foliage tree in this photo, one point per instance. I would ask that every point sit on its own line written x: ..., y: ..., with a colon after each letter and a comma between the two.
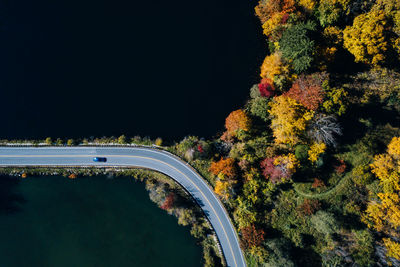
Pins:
x: 307, y: 90
x: 226, y: 167
x: 266, y: 9
x: 237, y: 122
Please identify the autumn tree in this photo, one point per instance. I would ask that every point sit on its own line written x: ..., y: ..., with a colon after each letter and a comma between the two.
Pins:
x: 273, y: 66
x: 335, y: 99
x: 122, y: 139
x: 383, y: 214
x: 237, y: 122
x: 266, y: 87
x: 168, y: 202
x: 309, y: 207
x: 330, y: 11
x: 266, y: 9
x: 307, y: 90
x: 289, y: 119
x: 393, y: 248
x: 394, y: 148
x: 280, y: 168
x: 340, y: 167
x: 251, y: 236
x: 318, y: 183
x: 365, y: 39
x: 308, y: 5
x: 273, y: 27
x: 315, y: 151
x: 386, y: 169
x: 224, y: 167
x: 222, y: 188
x: 48, y: 141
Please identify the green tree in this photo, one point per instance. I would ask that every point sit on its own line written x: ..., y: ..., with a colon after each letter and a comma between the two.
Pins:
x: 259, y: 107
x: 297, y: 46
x: 279, y: 253
x: 325, y: 223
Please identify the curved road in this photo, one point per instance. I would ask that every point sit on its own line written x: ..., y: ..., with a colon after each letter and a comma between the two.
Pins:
x: 148, y: 158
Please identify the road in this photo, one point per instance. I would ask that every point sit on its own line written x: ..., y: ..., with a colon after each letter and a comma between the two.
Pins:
x: 149, y: 158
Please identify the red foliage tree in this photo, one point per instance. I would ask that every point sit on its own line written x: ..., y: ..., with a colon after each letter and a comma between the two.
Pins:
x: 309, y: 207
x: 200, y: 148
x: 307, y: 90
x: 168, y: 202
x: 270, y: 171
x: 340, y: 167
x: 266, y: 88
x: 285, y: 18
x: 318, y: 183
x: 251, y: 236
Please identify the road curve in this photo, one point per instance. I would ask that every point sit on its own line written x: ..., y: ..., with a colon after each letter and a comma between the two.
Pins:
x: 149, y: 158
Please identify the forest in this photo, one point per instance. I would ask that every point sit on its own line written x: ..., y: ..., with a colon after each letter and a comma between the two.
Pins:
x: 309, y: 168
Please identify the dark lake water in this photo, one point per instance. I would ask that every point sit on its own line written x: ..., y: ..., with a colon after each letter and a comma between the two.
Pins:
x: 99, y: 68
x: 55, y: 221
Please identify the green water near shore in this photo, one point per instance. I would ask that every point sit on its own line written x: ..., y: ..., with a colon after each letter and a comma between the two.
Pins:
x: 96, y: 221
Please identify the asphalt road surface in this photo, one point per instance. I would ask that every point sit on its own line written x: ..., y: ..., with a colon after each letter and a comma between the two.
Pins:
x: 149, y: 158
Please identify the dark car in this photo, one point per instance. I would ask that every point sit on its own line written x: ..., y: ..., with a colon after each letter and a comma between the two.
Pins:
x: 98, y: 159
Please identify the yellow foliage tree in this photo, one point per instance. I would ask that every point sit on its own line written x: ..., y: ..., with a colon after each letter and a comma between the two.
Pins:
x: 272, y: 23
x: 383, y: 214
x: 334, y: 100
x: 388, y: 6
x: 365, y: 39
x: 384, y: 167
x: 315, y: 151
x: 273, y: 66
x: 289, y: 119
x: 394, y: 148
x: 287, y: 163
x: 393, y: 248
x: 308, y: 4
x: 222, y: 189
